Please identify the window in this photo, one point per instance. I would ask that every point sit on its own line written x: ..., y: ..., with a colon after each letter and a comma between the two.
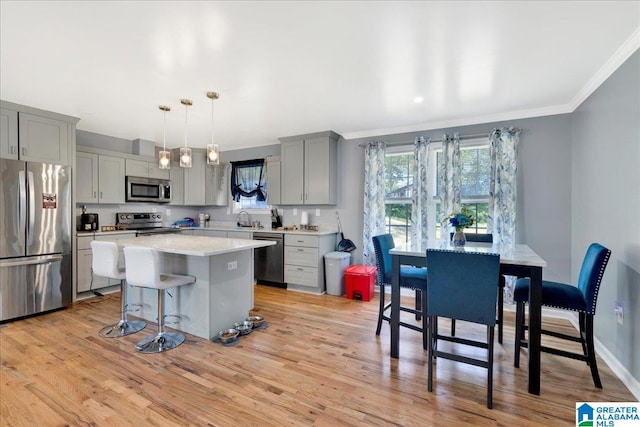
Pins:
x: 475, y: 162
x: 399, y: 189
x: 249, y: 186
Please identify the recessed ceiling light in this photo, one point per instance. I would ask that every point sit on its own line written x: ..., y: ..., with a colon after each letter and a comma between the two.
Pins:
x: 418, y: 99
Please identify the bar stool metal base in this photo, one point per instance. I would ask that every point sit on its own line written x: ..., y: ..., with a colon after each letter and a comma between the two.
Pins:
x: 122, y: 328
x: 161, y: 342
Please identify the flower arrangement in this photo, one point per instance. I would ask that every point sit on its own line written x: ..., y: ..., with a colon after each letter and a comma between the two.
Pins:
x: 461, y: 219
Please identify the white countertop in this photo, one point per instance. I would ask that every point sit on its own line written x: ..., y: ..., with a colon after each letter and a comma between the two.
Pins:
x: 193, y: 245
x: 262, y: 230
x: 215, y: 228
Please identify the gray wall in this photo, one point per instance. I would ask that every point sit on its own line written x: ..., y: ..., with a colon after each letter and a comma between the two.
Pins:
x: 606, y: 204
x: 544, y: 185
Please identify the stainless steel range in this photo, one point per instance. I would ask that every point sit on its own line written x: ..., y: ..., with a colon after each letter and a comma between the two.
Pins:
x: 144, y: 223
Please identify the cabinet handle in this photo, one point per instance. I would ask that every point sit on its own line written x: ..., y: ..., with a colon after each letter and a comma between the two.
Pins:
x: 101, y: 194
x: 300, y: 250
x: 94, y: 194
x: 12, y: 149
x: 299, y: 269
x: 301, y: 197
x: 24, y: 151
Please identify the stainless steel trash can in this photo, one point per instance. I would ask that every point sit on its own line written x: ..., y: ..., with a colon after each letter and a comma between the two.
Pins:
x: 334, y: 265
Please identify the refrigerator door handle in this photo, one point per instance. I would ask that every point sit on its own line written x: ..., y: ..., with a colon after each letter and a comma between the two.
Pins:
x: 22, y: 204
x: 32, y: 206
x: 33, y: 261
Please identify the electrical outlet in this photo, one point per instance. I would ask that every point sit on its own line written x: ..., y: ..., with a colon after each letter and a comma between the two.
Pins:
x: 232, y: 265
x: 295, y: 212
x: 168, y: 211
x: 317, y: 212
x: 619, y: 313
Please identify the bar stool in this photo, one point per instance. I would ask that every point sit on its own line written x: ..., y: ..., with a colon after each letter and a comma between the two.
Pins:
x: 105, y: 264
x: 144, y: 271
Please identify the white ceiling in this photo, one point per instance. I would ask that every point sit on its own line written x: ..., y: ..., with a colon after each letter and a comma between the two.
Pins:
x: 286, y: 68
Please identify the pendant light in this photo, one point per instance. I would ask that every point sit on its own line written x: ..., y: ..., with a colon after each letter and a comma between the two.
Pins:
x: 213, y: 151
x: 185, y: 152
x: 164, y: 156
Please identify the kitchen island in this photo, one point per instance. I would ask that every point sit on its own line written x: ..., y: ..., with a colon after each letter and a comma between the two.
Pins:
x: 222, y: 293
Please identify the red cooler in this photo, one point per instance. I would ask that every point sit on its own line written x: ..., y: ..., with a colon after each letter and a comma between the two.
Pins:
x: 360, y: 281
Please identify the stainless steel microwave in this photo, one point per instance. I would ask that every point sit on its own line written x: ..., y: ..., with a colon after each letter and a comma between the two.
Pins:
x: 141, y: 189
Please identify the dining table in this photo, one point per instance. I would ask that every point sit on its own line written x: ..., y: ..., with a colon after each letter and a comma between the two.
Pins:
x: 515, y: 260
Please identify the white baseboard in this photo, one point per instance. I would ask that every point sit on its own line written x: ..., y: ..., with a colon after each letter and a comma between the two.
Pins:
x: 614, y: 364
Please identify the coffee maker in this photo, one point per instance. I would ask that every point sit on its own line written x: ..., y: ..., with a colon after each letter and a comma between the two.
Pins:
x: 88, y: 221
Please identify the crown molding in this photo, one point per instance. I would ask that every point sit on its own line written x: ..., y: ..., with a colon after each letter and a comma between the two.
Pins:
x: 464, y: 121
x: 617, y: 59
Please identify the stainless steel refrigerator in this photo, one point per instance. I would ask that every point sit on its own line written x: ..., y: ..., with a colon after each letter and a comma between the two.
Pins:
x: 35, y: 238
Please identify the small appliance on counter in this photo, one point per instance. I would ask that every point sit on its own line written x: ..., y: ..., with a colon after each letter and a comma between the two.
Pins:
x: 88, y: 221
x: 276, y: 220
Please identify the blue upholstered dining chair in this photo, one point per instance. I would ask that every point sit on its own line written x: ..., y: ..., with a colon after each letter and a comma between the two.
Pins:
x: 485, y: 238
x: 581, y: 298
x: 410, y: 277
x: 457, y: 278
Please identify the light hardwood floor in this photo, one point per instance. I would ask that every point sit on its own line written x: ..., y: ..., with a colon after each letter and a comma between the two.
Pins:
x: 318, y: 363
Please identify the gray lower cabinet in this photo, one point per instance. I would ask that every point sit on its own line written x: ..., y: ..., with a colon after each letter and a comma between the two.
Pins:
x: 221, y: 233
x: 304, y: 261
x: 308, y: 169
x: 86, y: 280
x: 100, y: 178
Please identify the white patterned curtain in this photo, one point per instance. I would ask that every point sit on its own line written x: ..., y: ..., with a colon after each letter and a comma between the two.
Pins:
x: 420, y: 194
x: 501, y: 219
x: 449, y: 180
x: 374, y: 194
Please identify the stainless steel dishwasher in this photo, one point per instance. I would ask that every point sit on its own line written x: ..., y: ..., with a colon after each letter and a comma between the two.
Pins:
x: 268, y: 262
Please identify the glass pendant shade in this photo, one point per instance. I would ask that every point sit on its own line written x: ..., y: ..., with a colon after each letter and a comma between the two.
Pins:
x: 185, y: 152
x: 164, y: 156
x: 185, y: 157
x: 164, y: 159
x: 213, y: 154
x: 213, y: 151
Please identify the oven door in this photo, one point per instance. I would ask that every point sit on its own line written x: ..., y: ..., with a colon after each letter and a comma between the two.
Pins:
x: 141, y: 189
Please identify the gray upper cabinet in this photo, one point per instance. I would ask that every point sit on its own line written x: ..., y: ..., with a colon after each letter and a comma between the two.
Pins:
x: 201, y: 184
x: 43, y: 139
x: 273, y: 181
x: 194, y: 193
x: 36, y: 135
x: 292, y: 172
x: 176, y: 175
x: 309, y: 169
x: 101, y: 178
x: 145, y: 169
x: 9, y: 134
x: 217, y: 185
x: 87, y: 171
x: 111, y: 172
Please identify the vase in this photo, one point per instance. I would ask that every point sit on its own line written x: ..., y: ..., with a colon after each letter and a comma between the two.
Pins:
x: 459, y: 239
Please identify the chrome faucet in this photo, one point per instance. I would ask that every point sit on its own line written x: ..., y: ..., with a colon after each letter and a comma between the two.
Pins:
x: 243, y: 223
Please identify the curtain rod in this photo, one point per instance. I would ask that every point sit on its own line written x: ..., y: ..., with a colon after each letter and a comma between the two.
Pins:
x: 432, y: 141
